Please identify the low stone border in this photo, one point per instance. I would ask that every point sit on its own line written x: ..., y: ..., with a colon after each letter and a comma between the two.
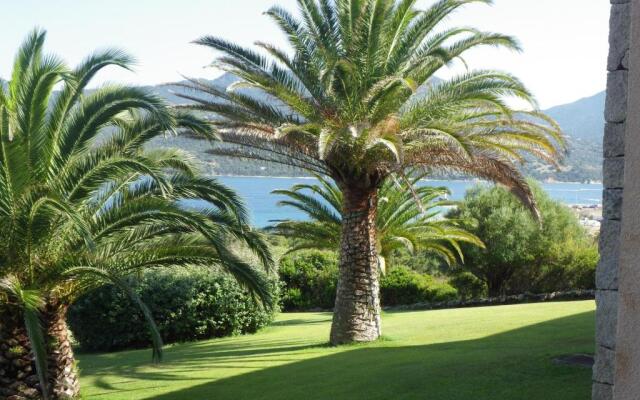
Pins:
x: 515, y: 299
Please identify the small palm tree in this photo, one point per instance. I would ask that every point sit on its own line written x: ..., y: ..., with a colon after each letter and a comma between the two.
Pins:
x: 345, y: 103
x: 82, y: 204
x: 407, y: 218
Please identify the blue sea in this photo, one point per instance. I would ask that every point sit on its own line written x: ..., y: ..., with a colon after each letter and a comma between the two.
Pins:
x: 256, y: 192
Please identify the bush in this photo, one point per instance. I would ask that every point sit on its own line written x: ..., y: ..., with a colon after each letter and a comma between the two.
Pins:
x: 570, y: 266
x: 310, y: 279
x: 186, y: 305
x: 522, y: 254
x: 468, y: 286
x: 402, y: 285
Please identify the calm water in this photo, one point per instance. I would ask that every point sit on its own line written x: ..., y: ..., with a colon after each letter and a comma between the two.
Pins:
x: 257, y: 194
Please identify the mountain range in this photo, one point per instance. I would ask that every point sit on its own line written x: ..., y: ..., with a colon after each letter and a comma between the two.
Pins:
x: 582, y: 121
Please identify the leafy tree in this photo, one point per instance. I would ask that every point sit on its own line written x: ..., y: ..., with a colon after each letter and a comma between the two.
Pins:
x: 354, y: 100
x: 82, y: 204
x: 406, y: 219
x: 523, y: 254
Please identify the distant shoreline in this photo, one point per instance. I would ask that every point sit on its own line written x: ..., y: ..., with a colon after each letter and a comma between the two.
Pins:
x: 424, y: 180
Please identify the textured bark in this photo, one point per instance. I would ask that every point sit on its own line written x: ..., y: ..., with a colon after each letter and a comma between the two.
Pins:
x: 62, y: 372
x: 18, y: 377
x: 356, y: 316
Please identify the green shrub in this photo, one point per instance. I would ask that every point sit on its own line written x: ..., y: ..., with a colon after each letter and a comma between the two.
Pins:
x: 570, y: 265
x: 468, y: 285
x: 581, y: 267
x: 402, y: 285
x: 309, y: 279
x: 186, y: 305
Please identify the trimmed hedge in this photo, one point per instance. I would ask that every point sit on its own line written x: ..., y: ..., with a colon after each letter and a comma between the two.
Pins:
x: 310, y: 279
x: 572, y: 295
x: 186, y: 305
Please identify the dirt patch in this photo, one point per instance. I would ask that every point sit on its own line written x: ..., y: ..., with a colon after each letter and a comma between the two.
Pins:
x: 581, y: 360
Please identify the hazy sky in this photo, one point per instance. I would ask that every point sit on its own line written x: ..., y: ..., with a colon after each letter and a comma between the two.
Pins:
x: 564, y: 41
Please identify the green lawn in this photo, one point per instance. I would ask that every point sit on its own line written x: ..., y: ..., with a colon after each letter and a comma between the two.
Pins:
x: 492, y: 353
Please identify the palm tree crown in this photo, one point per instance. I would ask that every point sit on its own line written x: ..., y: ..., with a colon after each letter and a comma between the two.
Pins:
x: 404, y: 220
x: 349, y: 101
x: 82, y: 203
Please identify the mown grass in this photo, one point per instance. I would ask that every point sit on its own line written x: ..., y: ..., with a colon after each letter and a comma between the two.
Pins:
x: 481, y: 353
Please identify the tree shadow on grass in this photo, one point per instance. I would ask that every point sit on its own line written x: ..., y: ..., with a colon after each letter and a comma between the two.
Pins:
x: 300, y: 321
x: 511, y: 365
x: 184, y: 358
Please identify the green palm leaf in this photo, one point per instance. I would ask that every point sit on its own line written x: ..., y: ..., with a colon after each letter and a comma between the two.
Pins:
x: 83, y: 203
x: 405, y: 220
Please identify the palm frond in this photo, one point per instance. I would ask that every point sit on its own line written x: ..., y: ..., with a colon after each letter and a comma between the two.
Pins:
x: 404, y: 220
x: 84, y: 202
x: 357, y: 99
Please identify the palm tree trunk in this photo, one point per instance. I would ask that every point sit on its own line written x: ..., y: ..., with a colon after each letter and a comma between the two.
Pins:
x: 356, y: 316
x: 62, y: 372
x: 17, y: 370
x: 18, y: 375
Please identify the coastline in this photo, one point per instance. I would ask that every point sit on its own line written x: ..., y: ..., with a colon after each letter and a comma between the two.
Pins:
x: 554, y: 182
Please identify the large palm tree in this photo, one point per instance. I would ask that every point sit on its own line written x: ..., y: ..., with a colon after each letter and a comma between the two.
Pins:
x: 82, y: 203
x: 353, y: 99
x: 408, y: 218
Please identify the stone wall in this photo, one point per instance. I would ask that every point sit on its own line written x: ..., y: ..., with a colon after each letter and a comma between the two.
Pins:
x: 614, y: 151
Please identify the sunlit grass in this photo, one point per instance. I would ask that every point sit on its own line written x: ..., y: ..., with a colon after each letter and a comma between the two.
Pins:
x: 481, y: 353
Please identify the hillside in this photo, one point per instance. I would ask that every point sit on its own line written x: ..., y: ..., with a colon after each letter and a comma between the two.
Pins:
x: 581, y: 120
x: 583, y: 123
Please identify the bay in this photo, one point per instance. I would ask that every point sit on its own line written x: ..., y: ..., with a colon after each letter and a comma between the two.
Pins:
x: 256, y: 192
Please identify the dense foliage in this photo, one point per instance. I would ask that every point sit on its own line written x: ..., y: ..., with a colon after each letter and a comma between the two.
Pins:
x: 350, y: 99
x: 186, y: 306
x: 522, y: 254
x: 583, y: 163
x: 580, y: 120
x: 409, y: 216
x: 310, y: 278
x: 350, y: 102
x: 405, y: 286
x: 468, y: 285
x: 83, y: 202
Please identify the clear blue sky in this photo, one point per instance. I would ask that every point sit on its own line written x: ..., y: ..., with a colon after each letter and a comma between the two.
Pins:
x: 565, y: 41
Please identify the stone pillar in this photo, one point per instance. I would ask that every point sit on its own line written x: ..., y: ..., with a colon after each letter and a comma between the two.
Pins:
x: 613, y: 174
x: 627, y: 357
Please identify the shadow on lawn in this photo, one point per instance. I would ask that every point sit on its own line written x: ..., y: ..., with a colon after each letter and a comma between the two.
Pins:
x: 511, y: 365
x: 300, y: 321
x: 293, y: 322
